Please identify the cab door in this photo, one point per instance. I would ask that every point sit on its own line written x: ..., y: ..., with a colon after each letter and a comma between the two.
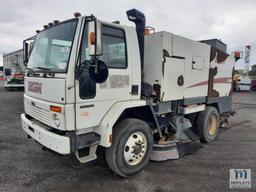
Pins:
x: 94, y: 100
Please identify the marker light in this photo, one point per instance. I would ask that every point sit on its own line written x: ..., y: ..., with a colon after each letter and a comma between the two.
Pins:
x: 55, y: 109
x: 110, y: 138
x: 77, y: 14
x: 149, y: 30
x: 92, y: 38
x: 237, y: 54
x: 55, y: 21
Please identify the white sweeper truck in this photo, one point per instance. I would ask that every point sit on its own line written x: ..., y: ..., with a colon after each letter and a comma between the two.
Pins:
x: 141, y: 95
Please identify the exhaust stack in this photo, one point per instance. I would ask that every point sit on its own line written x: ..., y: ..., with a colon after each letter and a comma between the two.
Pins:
x: 140, y: 21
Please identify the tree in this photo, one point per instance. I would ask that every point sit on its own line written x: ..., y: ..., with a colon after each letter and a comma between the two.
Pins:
x: 252, y: 72
x: 236, y: 72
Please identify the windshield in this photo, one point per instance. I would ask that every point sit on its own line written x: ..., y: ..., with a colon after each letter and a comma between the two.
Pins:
x: 52, y: 48
x: 16, y: 67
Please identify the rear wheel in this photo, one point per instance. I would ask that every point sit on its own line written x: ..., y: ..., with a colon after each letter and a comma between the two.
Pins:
x: 208, y: 124
x: 131, y: 147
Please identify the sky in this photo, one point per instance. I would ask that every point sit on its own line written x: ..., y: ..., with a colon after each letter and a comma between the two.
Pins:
x: 231, y: 21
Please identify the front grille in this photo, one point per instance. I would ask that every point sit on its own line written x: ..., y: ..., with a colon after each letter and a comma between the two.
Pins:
x: 37, y: 113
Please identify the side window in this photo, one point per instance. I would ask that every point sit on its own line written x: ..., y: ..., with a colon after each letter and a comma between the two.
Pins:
x: 114, y: 47
x: 87, y: 87
x: 7, y: 72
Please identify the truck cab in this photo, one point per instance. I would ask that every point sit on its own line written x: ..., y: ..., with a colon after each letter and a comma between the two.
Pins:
x: 61, y: 102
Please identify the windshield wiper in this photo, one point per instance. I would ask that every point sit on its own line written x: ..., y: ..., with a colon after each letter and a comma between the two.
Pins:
x: 43, y: 68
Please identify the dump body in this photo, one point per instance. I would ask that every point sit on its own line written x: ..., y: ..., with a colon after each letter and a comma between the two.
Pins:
x: 183, y: 69
x: 170, y: 58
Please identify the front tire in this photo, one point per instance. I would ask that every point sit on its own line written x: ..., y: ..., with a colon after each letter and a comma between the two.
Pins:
x: 208, y: 124
x: 131, y: 147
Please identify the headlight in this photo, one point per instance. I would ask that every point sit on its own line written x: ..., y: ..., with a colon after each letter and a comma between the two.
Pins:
x: 56, y: 120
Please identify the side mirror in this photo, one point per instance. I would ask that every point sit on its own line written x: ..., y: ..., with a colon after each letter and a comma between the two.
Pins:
x: 25, y: 53
x: 98, y: 71
x: 27, y: 48
x: 95, y: 45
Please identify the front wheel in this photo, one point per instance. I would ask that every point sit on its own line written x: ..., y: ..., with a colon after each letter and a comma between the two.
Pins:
x: 131, y: 147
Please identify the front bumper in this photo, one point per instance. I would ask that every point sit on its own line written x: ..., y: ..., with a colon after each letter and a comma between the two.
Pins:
x: 39, y: 132
x: 14, y: 85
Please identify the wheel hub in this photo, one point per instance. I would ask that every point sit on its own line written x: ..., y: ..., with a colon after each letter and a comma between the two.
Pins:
x: 135, y: 148
x: 212, y: 125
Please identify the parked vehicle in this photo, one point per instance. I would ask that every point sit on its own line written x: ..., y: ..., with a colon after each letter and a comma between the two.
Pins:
x: 244, y: 84
x: 93, y: 83
x: 1, y: 73
x: 13, y: 79
x: 253, y: 87
x: 13, y: 70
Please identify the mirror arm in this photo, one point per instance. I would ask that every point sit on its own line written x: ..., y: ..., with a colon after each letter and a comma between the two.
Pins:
x: 77, y: 72
x: 96, y: 33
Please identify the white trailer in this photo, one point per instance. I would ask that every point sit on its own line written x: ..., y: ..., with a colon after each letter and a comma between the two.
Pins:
x: 14, y: 69
x: 93, y: 83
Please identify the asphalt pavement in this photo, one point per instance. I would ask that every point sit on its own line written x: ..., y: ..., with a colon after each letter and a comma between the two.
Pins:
x: 24, y: 166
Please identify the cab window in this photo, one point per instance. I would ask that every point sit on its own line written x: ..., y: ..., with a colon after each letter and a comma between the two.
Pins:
x: 114, y: 47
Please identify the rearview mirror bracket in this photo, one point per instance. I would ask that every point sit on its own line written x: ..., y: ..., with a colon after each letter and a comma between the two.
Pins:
x: 27, y: 48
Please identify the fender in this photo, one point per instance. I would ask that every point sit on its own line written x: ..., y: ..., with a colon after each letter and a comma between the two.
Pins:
x: 106, y: 125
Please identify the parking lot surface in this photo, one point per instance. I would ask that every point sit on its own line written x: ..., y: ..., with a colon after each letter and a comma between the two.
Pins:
x: 24, y: 166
